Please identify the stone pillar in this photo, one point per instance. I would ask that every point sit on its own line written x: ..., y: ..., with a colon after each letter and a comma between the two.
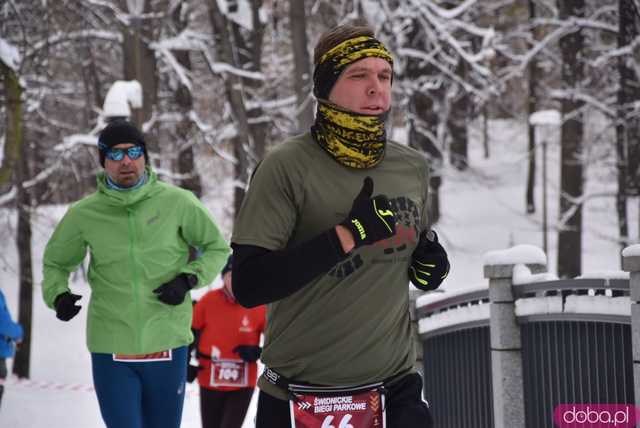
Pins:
x: 632, y: 264
x: 506, y: 347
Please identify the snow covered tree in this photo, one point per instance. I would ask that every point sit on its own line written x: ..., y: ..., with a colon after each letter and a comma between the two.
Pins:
x: 51, y: 84
x: 14, y: 169
x: 443, y: 53
x: 532, y: 104
x: 241, y: 50
x: 140, y: 25
x: 302, y: 64
x: 9, y: 63
x: 183, y: 98
x: 628, y: 124
x: 425, y: 99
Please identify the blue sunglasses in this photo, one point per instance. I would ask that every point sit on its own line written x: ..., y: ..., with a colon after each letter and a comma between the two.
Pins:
x: 133, y: 152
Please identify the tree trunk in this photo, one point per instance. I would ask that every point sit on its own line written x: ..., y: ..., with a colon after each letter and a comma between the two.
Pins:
x: 13, y: 124
x: 423, y: 121
x: 249, y: 54
x: 184, y: 128
x: 25, y: 310
x: 234, y: 92
x: 457, y: 123
x: 422, y: 137
x: 250, y: 140
x: 532, y: 101
x: 302, y: 65
x: 140, y: 64
x: 571, y: 168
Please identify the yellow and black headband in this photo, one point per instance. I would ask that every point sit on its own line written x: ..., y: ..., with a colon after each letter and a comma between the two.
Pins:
x: 334, y: 61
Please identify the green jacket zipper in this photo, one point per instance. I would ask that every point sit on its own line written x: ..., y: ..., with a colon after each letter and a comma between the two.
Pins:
x: 134, y: 272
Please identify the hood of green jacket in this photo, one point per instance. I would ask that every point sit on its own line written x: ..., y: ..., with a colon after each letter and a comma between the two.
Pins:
x: 128, y: 197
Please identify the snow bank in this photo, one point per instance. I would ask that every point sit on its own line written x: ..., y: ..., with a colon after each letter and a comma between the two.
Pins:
x: 427, y: 299
x: 631, y: 251
x: 538, y: 305
x: 604, y: 274
x: 457, y: 316
x: 525, y: 254
x: 598, y: 305
x: 522, y: 275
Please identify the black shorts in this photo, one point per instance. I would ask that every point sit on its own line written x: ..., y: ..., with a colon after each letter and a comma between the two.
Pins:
x: 405, y: 407
x: 224, y: 409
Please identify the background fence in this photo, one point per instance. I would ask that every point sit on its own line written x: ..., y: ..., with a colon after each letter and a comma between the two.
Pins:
x: 506, y: 354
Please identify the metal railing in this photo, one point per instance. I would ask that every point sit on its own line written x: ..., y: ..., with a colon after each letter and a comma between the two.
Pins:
x: 578, y: 353
x: 569, y: 339
x: 454, y: 329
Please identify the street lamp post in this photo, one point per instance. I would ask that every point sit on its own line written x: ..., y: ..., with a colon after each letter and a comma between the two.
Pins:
x: 545, y: 118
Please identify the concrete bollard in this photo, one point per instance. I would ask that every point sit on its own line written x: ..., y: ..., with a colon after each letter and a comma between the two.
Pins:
x: 506, y: 344
x: 631, y: 264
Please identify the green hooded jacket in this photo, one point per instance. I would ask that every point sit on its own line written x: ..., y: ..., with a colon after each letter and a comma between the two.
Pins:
x: 137, y: 240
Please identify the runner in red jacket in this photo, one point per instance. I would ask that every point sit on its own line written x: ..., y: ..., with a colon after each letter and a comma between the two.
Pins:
x: 228, y: 345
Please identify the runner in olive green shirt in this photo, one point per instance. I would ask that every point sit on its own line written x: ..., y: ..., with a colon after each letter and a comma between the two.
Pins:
x: 335, y: 269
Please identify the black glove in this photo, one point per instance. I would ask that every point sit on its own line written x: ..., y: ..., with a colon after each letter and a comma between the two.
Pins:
x: 429, y: 263
x: 173, y: 292
x: 248, y: 353
x: 370, y: 219
x: 65, y: 304
x: 192, y: 372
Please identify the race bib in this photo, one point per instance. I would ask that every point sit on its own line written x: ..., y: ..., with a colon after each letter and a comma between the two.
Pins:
x: 144, y: 358
x: 229, y: 373
x: 337, y: 407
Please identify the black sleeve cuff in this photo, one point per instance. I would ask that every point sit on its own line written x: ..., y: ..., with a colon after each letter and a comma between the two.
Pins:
x: 262, y: 276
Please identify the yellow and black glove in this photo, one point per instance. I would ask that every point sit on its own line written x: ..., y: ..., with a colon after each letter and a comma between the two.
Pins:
x: 370, y: 219
x: 429, y: 263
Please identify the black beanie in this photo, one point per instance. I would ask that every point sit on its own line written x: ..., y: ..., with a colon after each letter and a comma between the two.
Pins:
x: 120, y: 132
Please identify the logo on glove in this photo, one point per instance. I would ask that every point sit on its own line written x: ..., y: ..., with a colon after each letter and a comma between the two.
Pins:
x: 360, y: 228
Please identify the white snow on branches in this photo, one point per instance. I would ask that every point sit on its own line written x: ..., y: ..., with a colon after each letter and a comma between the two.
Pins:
x: 9, y: 55
x: 121, y: 96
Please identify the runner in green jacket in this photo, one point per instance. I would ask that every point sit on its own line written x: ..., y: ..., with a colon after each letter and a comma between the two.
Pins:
x: 138, y: 231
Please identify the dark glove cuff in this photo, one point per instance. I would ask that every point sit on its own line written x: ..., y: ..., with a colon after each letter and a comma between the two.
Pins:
x: 59, y: 298
x: 358, y: 238
x: 190, y: 280
x: 334, y: 240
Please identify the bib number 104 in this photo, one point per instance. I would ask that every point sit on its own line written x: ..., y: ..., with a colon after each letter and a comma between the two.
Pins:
x: 229, y: 374
x: 344, y: 422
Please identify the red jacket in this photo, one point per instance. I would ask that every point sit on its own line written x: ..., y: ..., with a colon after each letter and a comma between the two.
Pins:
x: 224, y: 325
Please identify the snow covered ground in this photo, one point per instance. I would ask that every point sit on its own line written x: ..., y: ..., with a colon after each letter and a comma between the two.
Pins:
x: 483, y: 210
